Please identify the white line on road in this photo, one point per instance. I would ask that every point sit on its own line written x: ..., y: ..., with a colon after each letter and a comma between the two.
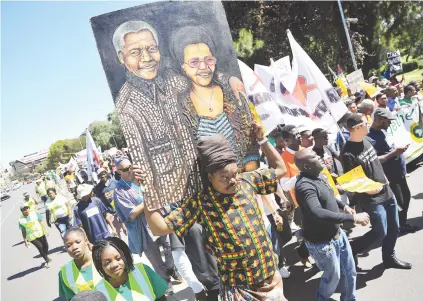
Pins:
x: 9, y: 213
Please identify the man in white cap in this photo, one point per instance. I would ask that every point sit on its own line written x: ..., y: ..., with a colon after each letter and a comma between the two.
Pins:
x: 41, y: 190
x: 91, y: 214
x: 30, y: 202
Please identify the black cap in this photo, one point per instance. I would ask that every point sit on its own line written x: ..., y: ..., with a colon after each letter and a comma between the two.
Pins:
x: 354, y: 119
x: 384, y: 113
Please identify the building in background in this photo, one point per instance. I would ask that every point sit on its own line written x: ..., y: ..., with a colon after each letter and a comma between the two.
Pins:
x: 29, y: 162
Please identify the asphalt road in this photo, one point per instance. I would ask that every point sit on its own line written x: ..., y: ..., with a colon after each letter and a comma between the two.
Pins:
x: 23, y: 278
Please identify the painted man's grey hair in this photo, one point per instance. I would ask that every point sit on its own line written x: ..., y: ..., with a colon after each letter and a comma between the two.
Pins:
x: 130, y: 27
x: 366, y: 103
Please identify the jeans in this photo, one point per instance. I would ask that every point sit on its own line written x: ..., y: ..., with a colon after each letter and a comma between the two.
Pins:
x: 384, y: 220
x: 62, y: 224
x: 403, y: 196
x: 336, y: 261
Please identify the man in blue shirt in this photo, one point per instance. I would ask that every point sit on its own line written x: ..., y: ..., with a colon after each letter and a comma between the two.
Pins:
x: 393, y: 163
x: 392, y: 94
x: 104, y: 190
x: 91, y: 215
x: 129, y: 205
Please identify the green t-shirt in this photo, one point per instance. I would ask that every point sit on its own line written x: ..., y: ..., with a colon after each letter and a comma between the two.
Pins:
x: 159, y: 285
x: 405, y: 101
x: 65, y: 291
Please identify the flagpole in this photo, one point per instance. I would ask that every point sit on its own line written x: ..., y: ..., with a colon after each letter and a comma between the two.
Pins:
x: 348, y: 35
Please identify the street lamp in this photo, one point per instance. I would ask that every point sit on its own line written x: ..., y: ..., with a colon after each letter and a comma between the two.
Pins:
x: 351, y: 20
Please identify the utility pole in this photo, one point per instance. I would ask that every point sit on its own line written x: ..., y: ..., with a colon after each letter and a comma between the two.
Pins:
x: 348, y: 35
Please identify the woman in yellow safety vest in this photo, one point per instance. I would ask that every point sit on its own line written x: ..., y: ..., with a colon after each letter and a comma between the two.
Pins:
x: 58, y: 211
x: 30, y: 202
x: 79, y: 274
x: 34, y: 231
x: 124, y: 281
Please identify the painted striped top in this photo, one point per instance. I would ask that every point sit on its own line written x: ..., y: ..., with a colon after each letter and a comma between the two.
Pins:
x: 219, y: 125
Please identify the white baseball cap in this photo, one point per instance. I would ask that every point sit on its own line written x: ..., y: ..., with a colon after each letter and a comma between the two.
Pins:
x: 83, y: 190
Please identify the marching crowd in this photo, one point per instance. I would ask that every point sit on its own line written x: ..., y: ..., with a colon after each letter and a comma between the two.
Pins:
x: 227, y: 242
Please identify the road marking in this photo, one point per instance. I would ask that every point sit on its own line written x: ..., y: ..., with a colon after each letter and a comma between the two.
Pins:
x: 9, y: 213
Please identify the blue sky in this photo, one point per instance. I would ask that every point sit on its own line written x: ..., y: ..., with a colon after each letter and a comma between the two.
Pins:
x: 52, y: 81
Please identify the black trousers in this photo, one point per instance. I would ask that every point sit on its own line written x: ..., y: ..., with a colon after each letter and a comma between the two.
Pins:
x: 403, y: 196
x: 283, y: 236
x: 42, y: 246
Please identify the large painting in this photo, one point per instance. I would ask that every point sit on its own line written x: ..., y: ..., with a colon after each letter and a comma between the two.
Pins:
x: 174, y: 77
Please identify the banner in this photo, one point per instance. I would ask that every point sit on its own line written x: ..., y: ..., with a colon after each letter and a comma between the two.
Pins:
x: 302, y: 93
x: 263, y: 101
x: 356, y: 181
x: 93, y: 157
x: 174, y: 77
x: 394, y: 62
x: 354, y: 79
x: 406, y: 129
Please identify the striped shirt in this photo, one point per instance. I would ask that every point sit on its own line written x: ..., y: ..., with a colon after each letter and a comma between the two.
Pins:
x: 219, y: 125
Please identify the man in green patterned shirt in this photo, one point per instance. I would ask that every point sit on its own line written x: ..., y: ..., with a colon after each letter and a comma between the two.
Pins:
x: 232, y: 219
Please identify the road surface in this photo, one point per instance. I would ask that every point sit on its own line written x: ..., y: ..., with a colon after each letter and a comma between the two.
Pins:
x: 23, y: 278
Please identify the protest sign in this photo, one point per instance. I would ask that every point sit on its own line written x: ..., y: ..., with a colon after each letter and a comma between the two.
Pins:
x: 407, y: 129
x: 394, y: 62
x: 302, y: 93
x: 354, y: 79
x: 356, y: 181
x: 174, y: 77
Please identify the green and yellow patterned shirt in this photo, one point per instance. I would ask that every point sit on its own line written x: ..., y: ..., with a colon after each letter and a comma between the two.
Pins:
x: 234, y: 228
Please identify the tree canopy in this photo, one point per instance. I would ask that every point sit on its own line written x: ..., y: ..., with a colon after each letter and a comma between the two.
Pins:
x: 317, y: 26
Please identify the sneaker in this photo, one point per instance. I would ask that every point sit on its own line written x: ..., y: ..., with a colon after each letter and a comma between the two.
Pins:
x: 49, y: 259
x: 177, y: 276
x: 47, y: 265
x: 284, y: 273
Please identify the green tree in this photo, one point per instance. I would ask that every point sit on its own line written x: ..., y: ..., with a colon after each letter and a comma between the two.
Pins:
x: 246, y: 44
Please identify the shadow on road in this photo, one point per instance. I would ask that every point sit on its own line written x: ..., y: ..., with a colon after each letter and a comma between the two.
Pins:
x: 418, y: 196
x: 17, y: 244
x: 364, y: 276
x: 52, y: 251
x: 186, y: 294
x: 297, y: 287
x: 415, y: 164
x: 24, y: 273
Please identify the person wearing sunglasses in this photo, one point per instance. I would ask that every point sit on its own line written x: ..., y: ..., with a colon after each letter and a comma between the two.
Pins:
x: 34, y: 231
x: 210, y: 104
x: 380, y: 203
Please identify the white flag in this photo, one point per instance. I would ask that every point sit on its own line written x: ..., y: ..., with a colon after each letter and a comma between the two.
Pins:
x: 263, y: 101
x: 311, y: 100
x: 93, y: 157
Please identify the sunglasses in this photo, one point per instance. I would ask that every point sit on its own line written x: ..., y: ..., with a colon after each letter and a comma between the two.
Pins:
x: 126, y: 169
x: 196, y: 61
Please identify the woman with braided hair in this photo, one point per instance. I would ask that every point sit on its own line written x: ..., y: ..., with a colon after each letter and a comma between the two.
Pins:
x: 124, y: 280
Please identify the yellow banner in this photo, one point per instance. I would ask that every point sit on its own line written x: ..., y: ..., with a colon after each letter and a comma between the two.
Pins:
x: 356, y: 181
x: 328, y: 176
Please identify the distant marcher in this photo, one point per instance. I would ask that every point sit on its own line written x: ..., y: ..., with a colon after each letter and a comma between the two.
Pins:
x: 41, y: 190
x: 30, y: 202
x: 409, y: 92
x: 58, y: 211
x: 91, y: 214
x: 34, y: 231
